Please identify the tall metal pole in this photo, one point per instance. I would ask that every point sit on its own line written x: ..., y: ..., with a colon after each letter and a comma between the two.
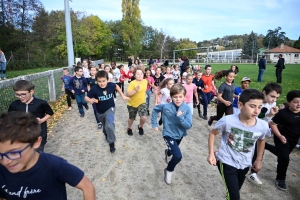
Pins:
x: 71, y: 60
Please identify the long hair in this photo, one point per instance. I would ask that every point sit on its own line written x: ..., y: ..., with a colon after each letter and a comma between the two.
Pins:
x: 222, y: 73
x: 164, y: 83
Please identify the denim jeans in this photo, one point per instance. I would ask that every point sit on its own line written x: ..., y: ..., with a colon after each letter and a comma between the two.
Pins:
x: 3, y: 69
x: 260, y: 75
x: 80, y: 102
x: 206, y: 97
x: 173, y: 149
x: 148, y: 98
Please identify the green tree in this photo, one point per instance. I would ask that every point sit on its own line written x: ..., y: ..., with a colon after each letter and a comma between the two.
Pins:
x: 297, y: 43
x: 250, y: 48
x: 116, y: 51
x: 132, y: 26
x: 187, y: 44
x: 274, y: 38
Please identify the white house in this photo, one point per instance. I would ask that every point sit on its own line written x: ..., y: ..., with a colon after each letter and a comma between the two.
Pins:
x: 290, y: 54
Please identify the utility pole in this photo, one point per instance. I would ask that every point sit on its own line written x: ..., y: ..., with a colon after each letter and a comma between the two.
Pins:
x: 71, y: 60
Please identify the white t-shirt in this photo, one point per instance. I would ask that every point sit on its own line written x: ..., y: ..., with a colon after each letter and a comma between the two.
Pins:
x: 152, y: 72
x: 184, y: 75
x: 238, y: 141
x: 165, y: 96
x: 117, y: 74
x: 176, y: 74
x: 110, y: 76
x: 86, y: 72
x: 265, y: 110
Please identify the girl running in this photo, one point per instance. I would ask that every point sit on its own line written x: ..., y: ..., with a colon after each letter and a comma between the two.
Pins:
x: 191, y: 90
x: 150, y: 85
x: 110, y: 72
x: 176, y: 74
x: 168, y: 73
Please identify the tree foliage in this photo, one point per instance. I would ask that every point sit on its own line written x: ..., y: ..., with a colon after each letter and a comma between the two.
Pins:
x: 274, y: 38
x: 185, y: 43
x: 250, y: 48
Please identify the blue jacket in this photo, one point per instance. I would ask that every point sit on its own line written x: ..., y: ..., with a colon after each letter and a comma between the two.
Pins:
x: 78, y: 84
x: 173, y: 126
x: 262, y: 63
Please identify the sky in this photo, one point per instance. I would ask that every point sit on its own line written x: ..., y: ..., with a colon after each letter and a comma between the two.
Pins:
x: 200, y: 20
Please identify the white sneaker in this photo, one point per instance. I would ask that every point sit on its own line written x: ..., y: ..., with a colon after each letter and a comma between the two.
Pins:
x: 115, y: 99
x: 70, y: 108
x: 168, y: 177
x: 298, y: 146
x: 252, y: 177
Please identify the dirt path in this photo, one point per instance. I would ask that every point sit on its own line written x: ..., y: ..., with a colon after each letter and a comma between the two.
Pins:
x: 135, y: 170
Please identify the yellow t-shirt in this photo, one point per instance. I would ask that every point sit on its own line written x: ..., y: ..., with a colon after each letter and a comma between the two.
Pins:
x: 139, y: 97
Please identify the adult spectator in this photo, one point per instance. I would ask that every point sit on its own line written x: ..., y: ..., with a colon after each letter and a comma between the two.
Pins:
x: 151, y: 61
x: 184, y: 65
x: 261, y: 68
x: 2, y: 65
x: 279, y: 67
x: 166, y: 63
x: 129, y: 61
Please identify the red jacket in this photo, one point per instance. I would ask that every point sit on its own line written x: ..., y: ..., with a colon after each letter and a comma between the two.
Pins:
x: 123, y: 75
x: 129, y: 74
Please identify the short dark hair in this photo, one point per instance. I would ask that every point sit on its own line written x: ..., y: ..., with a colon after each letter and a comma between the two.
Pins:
x: 77, y: 68
x: 206, y: 66
x: 263, y: 56
x: 249, y: 94
x: 270, y: 87
x: 23, y: 85
x: 292, y: 95
x: 102, y: 74
x: 65, y: 68
x: 176, y: 89
x: 17, y: 126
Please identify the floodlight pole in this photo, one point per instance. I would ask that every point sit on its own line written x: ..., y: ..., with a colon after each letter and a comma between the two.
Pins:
x: 69, y: 34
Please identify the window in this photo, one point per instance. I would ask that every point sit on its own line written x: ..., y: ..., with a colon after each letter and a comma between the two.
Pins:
x: 275, y: 56
x: 296, y: 55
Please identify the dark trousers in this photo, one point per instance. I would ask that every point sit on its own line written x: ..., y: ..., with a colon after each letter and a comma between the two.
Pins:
x: 279, y: 74
x: 69, y: 95
x: 121, y: 85
x: 221, y: 110
x: 206, y: 97
x: 173, y: 149
x: 108, y: 121
x: 95, y: 113
x: 233, y: 179
x: 282, y: 151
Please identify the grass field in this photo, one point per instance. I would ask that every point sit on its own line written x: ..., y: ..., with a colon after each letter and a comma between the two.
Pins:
x: 12, y: 74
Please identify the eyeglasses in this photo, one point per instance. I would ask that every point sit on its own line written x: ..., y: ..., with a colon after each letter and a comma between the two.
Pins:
x: 13, y: 155
x: 21, y: 95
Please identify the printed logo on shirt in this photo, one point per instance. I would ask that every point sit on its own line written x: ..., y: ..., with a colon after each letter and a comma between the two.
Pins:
x: 172, y: 142
x: 104, y: 92
x: 262, y: 113
x: 241, y: 141
x: 23, y: 192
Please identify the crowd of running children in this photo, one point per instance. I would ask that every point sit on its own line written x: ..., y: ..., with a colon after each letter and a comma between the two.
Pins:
x: 250, y: 116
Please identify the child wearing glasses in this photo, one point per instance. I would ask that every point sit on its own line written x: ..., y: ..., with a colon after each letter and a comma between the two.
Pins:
x: 271, y: 93
x: 28, y: 174
x: 78, y: 86
x: 28, y: 103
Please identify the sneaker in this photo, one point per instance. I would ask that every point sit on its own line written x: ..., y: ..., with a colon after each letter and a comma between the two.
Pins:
x: 204, y: 117
x: 200, y: 114
x: 252, y: 177
x: 281, y: 184
x: 168, y: 177
x: 148, y: 112
x: 112, y: 148
x: 298, y: 146
x: 210, y: 121
x: 160, y: 121
x: 82, y: 115
x: 115, y: 99
x: 166, y: 156
x: 129, y: 132
x: 141, y: 130
x: 86, y: 107
x: 99, y: 125
x: 70, y: 108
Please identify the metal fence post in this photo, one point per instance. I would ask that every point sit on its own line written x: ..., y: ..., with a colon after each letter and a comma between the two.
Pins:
x: 51, y: 86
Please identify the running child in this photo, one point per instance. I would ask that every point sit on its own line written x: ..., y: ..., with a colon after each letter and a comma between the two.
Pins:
x: 29, y: 104
x: 176, y: 74
x: 168, y: 73
x: 85, y: 69
x: 110, y: 73
x: 238, y: 91
x: 151, y: 67
x: 92, y: 81
x: 122, y: 77
x: 286, y: 128
x: 137, y: 104
x: 235, y: 69
x: 158, y: 78
x: 271, y: 92
x: 177, y: 119
x: 78, y: 87
x: 66, y: 78
x: 200, y: 86
x: 208, y: 80
x: 225, y: 95
x: 101, y: 95
x: 240, y: 133
x: 130, y: 73
x: 191, y: 89
x: 183, y: 77
x: 150, y: 85
x: 28, y: 174
x: 116, y: 75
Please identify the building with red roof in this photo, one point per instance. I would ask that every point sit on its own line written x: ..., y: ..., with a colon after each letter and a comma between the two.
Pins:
x: 290, y: 54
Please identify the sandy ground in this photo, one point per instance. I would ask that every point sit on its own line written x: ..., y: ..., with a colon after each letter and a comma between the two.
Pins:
x: 135, y: 170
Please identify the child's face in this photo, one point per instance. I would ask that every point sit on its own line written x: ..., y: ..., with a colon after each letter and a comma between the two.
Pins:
x: 251, y: 109
x: 139, y: 75
x: 176, y: 68
x: 102, y: 82
x: 102, y: 66
x: 177, y: 99
x: 93, y: 71
x: 148, y: 73
x: 245, y: 84
x: 122, y: 68
x: 233, y: 68
x: 113, y: 65
x: 85, y: 64
x: 208, y: 70
x: 271, y: 97
x: 170, y: 84
x: 294, y: 105
x: 65, y: 72
x: 107, y: 69
x: 28, y: 154
x: 131, y: 68
x: 158, y: 71
x: 168, y: 71
x: 189, y: 80
x: 230, y: 77
x: 79, y: 72
x: 199, y: 75
x: 151, y: 68
x: 24, y: 96
x: 187, y: 70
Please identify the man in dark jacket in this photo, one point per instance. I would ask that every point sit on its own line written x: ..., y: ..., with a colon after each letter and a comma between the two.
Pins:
x: 279, y: 67
x: 261, y: 68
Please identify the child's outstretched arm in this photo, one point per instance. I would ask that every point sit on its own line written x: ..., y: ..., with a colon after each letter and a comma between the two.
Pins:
x: 87, y: 188
x: 257, y: 165
x: 276, y: 132
x: 121, y: 93
x: 196, y: 96
x: 156, y: 109
x: 211, y: 159
x: 63, y: 87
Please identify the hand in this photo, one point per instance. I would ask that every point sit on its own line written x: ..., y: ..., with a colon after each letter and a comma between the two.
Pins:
x: 227, y: 103
x: 39, y: 120
x: 179, y: 113
x: 211, y: 159
x: 155, y: 129
x: 137, y: 88
x: 199, y: 88
x: 125, y: 98
x: 73, y: 91
x: 257, y: 165
x: 205, y: 86
x: 282, y: 106
x: 197, y: 103
x: 274, y: 110
x: 93, y: 100
x: 82, y: 91
x: 282, y: 139
x: 62, y: 89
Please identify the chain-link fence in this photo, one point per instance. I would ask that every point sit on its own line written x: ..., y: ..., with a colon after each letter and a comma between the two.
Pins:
x: 47, y: 86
